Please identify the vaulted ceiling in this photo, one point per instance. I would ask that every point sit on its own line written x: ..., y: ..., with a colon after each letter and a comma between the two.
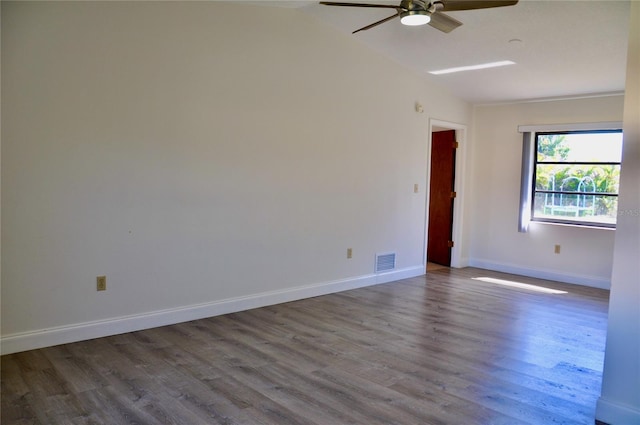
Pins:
x: 560, y: 48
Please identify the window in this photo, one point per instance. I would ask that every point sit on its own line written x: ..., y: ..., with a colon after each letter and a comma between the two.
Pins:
x: 570, y: 174
x: 576, y: 177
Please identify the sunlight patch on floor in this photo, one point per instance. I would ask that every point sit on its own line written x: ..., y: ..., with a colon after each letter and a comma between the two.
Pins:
x: 519, y: 285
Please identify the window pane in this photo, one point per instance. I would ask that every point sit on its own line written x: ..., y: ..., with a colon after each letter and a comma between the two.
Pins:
x: 580, y: 147
x: 597, y: 178
x: 589, y: 208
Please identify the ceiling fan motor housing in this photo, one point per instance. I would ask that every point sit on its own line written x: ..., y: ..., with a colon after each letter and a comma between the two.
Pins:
x: 410, y: 5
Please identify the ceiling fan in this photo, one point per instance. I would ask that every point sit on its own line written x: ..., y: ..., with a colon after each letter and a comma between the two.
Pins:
x: 420, y: 12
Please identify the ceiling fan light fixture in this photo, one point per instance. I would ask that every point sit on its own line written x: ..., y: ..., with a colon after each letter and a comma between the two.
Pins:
x: 415, y: 17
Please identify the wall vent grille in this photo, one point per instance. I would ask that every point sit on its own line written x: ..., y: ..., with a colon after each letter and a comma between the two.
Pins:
x: 385, y: 262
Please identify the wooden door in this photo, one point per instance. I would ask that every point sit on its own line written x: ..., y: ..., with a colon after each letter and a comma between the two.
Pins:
x: 442, y: 195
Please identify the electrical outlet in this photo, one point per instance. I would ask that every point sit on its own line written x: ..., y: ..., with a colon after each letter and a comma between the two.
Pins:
x: 556, y: 249
x: 101, y: 283
x: 416, y: 188
x: 349, y: 253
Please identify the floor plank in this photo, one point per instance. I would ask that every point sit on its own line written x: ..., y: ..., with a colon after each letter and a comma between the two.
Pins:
x: 437, y: 349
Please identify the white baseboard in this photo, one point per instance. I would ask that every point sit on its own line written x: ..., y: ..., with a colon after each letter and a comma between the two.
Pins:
x: 614, y: 413
x: 594, y: 282
x: 83, y: 331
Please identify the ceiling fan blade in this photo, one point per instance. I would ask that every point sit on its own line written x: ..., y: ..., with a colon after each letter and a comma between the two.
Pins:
x: 383, y: 6
x: 375, y: 24
x: 444, y: 23
x: 451, y: 5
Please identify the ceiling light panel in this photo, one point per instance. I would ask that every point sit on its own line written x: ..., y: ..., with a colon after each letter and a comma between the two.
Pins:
x: 472, y: 67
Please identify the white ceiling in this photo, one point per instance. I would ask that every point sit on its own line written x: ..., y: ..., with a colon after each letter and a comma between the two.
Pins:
x: 566, y: 48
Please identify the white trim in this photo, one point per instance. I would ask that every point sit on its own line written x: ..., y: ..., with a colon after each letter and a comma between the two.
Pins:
x: 552, y: 99
x: 584, y: 126
x: 611, y: 412
x: 460, y: 176
x: 82, y: 331
x: 592, y: 281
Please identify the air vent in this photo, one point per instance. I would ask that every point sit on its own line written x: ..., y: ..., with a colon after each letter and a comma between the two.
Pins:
x: 385, y: 262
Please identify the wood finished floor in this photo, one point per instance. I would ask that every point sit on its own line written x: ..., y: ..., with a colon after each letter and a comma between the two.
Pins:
x: 438, y: 349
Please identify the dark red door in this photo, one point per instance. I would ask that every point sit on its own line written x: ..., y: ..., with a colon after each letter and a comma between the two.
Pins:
x: 443, y: 160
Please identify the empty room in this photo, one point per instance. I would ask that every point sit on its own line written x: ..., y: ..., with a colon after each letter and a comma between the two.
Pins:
x: 296, y: 212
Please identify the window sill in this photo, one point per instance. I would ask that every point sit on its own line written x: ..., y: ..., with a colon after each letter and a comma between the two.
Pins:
x: 580, y: 226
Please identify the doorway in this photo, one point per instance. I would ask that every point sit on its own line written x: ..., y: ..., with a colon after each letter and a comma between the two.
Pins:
x: 445, y: 173
x: 441, y: 197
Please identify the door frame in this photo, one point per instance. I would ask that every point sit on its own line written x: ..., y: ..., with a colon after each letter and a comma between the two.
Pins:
x: 457, y: 259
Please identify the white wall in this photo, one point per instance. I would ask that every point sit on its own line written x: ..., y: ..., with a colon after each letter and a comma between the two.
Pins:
x: 494, y: 241
x: 203, y: 159
x: 620, y: 399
